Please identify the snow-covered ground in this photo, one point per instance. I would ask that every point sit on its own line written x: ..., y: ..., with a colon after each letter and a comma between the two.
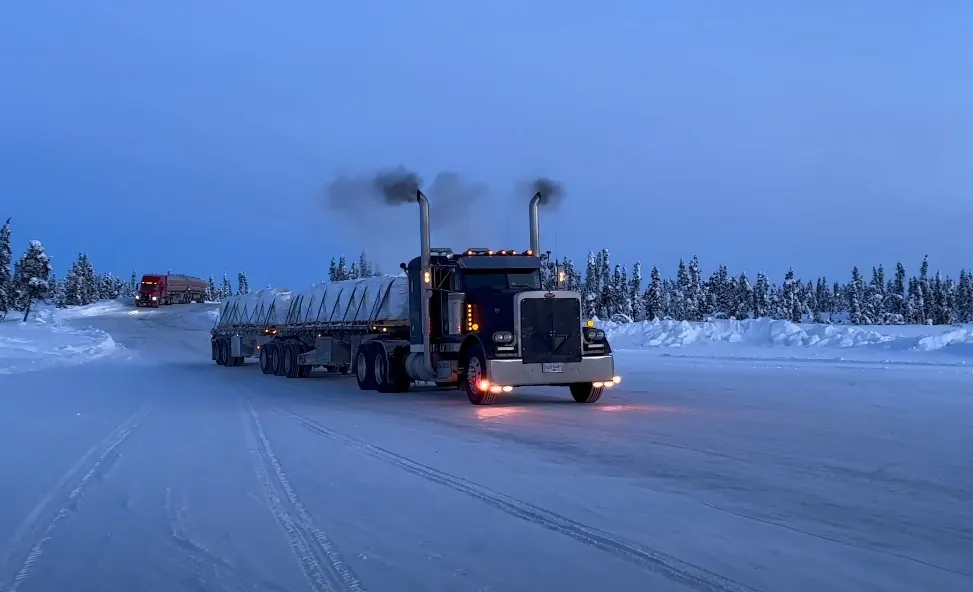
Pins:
x: 45, y: 340
x: 766, y: 339
x: 759, y: 456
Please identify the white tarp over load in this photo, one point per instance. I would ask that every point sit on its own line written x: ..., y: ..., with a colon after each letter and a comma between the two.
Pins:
x: 367, y: 300
x: 264, y: 307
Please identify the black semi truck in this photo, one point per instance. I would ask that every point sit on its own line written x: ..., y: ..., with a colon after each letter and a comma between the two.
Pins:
x: 478, y: 320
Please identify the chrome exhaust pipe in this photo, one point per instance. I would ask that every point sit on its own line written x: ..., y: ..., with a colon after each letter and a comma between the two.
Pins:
x: 425, y: 241
x: 535, y: 225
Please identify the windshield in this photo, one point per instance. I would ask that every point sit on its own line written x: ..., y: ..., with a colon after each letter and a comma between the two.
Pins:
x: 499, y: 280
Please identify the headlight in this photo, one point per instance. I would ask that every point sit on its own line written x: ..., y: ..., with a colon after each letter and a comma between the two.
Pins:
x: 155, y: 298
x: 594, y: 335
x: 503, y: 337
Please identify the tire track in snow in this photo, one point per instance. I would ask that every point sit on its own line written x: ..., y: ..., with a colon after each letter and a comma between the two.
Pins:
x: 323, y: 568
x: 687, y: 574
x: 108, y: 447
x: 207, y: 568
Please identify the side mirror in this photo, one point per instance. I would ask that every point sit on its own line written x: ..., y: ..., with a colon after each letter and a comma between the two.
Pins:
x: 402, y: 265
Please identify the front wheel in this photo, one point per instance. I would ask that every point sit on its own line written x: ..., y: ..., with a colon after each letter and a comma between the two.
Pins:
x: 586, y: 392
x: 476, y: 377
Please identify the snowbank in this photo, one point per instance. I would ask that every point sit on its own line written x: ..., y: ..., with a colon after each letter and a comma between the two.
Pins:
x: 726, y: 337
x: 43, y: 342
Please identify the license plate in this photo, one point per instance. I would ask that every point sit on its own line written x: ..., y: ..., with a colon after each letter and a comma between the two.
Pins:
x: 553, y: 368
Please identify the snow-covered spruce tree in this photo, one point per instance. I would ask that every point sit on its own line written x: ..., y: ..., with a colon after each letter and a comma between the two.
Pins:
x: 652, y: 298
x: 761, y: 296
x: 133, y: 286
x: 635, y: 293
x: 212, y: 292
x: 365, y: 267
x: 572, y: 281
x: 623, y: 291
x: 605, y: 275
x: 696, y: 300
x: 679, y: 305
x: 342, y: 271
x: 855, y: 292
x: 6, y: 279
x: 110, y: 287
x: 940, y: 294
x: 964, y: 297
x: 718, y: 293
x: 90, y: 287
x: 226, y: 290
x: 80, y: 287
x: 791, y: 305
x: 896, y: 297
x: 243, y: 286
x: 926, y: 289
x: 744, y: 298
x: 354, y: 273
x: 33, y: 272
x: 55, y: 293
x: 547, y: 271
x: 591, y: 289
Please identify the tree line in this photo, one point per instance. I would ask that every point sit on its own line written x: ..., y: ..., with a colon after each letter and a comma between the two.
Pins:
x: 609, y: 291
x: 614, y: 292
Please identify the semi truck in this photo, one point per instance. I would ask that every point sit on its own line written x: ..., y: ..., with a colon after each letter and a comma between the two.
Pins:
x: 157, y: 289
x: 478, y: 320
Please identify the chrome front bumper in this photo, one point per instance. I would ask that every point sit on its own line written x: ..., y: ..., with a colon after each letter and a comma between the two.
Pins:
x: 517, y: 373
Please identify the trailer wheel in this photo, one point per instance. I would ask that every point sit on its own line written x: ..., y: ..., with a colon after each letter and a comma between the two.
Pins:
x: 224, y: 353
x: 585, y: 392
x: 218, y: 351
x: 265, y: 360
x: 390, y: 376
x: 279, y: 367
x: 476, y: 372
x: 273, y: 358
x: 363, y: 368
x: 291, y: 369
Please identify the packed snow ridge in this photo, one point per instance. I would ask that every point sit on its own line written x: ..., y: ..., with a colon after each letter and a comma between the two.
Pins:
x: 770, y: 332
x: 44, y: 341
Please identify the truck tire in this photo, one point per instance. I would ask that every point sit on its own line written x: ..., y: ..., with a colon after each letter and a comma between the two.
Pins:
x: 585, y: 392
x: 475, y: 365
x: 265, y: 360
x: 279, y: 368
x: 291, y: 369
x: 304, y: 370
x: 364, y: 371
x: 224, y: 353
x: 273, y: 358
x: 389, y: 376
x: 217, y: 352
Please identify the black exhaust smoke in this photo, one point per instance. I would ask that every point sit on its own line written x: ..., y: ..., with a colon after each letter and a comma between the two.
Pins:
x: 368, y: 204
x: 552, y: 192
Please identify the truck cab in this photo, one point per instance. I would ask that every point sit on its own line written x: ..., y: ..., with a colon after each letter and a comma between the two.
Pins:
x: 152, y: 290
x: 493, y: 326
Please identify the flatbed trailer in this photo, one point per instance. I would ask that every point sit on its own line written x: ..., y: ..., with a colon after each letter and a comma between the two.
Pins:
x: 477, y: 320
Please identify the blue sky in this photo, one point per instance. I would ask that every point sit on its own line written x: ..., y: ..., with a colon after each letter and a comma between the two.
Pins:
x: 202, y: 135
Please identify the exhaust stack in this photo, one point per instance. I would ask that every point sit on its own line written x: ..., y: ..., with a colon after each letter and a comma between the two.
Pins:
x: 535, y: 224
x: 426, y: 279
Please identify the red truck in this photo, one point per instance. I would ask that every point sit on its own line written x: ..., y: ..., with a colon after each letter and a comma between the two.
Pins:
x: 156, y: 289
